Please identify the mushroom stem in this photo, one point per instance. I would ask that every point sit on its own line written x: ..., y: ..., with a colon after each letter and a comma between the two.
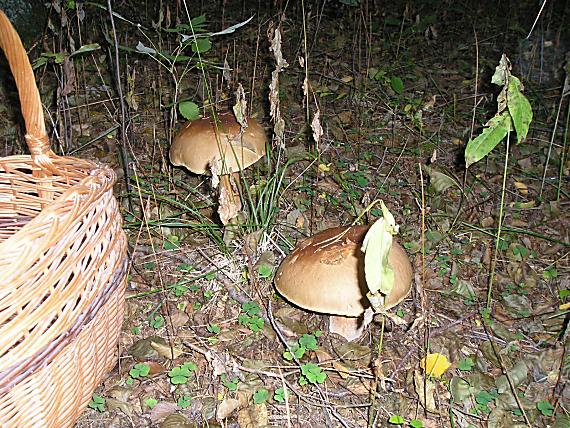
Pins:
x: 348, y: 327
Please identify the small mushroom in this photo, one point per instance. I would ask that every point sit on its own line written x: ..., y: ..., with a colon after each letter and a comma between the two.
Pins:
x: 219, y: 145
x: 325, y: 273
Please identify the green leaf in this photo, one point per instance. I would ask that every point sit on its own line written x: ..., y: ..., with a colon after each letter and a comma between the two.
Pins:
x: 151, y: 402
x: 201, y: 45
x: 250, y: 308
x: 261, y: 396
x: 157, y: 322
x: 189, y: 110
x: 519, y: 108
x: 86, y: 48
x: 230, y: 384
x: 396, y: 420
x: 550, y: 273
x: 376, y: 246
x: 190, y: 366
x: 492, y: 135
x: 184, y: 402
x: 280, y: 395
x: 397, y: 84
x: 416, y: 423
x: 184, y: 267
x: 308, y: 341
x: 265, y: 270
x: 179, y: 375
x: 178, y: 380
x: 97, y: 403
x: 171, y: 242
x: 545, y: 408
x: 466, y: 364
x: 214, y: 328
x: 139, y: 370
x: 198, y: 21
x: 298, y: 351
x: 484, y: 397
x: 313, y: 373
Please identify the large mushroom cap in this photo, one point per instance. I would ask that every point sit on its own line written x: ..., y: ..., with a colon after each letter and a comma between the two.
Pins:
x: 197, y: 148
x: 325, y: 273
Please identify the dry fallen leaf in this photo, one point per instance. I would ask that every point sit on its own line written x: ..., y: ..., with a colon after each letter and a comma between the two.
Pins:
x: 166, y: 350
x: 427, y: 395
x: 255, y: 416
x: 324, y: 357
x: 226, y: 408
x: 521, y: 187
x: 162, y: 410
x: 176, y: 420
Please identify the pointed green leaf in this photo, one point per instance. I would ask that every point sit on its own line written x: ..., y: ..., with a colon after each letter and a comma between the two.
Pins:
x: 397, y: 84
x: 519, y: 108
x: 86, y: 48
x: 484, y: 144
x: 189, y: 110
x: 201, y: 45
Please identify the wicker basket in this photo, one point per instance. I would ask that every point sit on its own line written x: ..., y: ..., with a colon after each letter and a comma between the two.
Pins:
x: 62, y: 271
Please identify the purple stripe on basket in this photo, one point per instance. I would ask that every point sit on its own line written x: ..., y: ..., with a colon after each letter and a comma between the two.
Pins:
x: 18, y: 372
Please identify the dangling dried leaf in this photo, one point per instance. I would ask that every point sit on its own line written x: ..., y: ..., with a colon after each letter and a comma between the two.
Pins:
x: 317, y: 128
x: 229, y: 206
x: 240, y: 107
x: 274, y: 36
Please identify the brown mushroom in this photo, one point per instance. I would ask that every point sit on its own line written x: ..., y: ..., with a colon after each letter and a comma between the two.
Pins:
x: 219, y: 145
x: 325, y: 273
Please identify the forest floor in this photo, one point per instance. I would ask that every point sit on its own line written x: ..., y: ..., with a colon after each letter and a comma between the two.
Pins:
x: 397, y: 93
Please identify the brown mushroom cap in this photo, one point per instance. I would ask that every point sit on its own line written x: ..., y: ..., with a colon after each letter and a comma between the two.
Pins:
x: 325, y: 273
x: 197, y: 148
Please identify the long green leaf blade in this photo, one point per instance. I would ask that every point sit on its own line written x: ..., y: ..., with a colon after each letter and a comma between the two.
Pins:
x: 519, y: 108
x: 492, y: 135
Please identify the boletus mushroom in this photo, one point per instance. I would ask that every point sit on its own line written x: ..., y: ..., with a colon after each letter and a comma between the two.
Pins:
x: 219, y: 145
x: 325, y: 273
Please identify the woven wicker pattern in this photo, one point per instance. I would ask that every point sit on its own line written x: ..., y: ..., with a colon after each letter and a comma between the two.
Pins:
x: 62, y: 271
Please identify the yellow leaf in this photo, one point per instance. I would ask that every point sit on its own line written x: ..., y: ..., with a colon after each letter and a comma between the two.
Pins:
x: 521, y: 187
x: 347, y: 79
x: 324, y: 167
x: 435, y: 365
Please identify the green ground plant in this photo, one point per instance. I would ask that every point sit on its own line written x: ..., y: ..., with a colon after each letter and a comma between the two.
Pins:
x: 513, y: 113
x: 97, y: 403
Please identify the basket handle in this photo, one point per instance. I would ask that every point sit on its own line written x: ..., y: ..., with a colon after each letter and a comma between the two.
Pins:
x: 31, y: 105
